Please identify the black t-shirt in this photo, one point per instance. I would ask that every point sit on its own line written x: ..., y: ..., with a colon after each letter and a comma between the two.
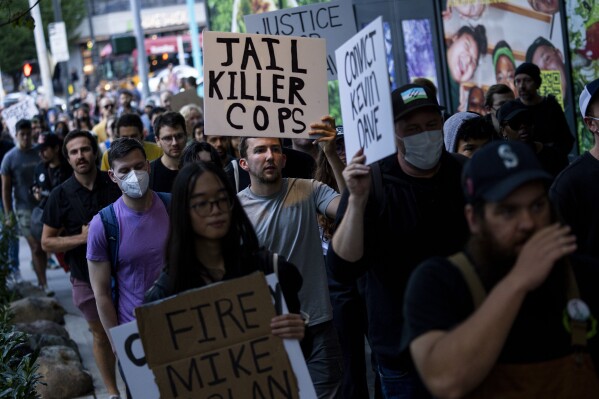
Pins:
x: 550, y: 124
x: 46, y: 178
x: 552, y: 160
x: 61, y: 211
x: 413, y: 220
x: 575, y: 193
x: 161, y: 177
x: 437, y: 298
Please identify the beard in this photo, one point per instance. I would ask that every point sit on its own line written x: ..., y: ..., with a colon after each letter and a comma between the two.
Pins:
x: 493, y: 260
x: 264, y: 178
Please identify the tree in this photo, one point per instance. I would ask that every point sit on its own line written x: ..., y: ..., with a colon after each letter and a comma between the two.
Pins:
x: 17, y: 43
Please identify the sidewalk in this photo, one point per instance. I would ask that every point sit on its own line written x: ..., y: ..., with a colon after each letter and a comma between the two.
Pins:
x: 58, y: 281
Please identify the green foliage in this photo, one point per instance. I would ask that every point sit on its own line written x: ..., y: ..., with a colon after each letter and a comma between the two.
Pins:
x: 221, y: 12
x: 17, y: 43
x: 18, y: 371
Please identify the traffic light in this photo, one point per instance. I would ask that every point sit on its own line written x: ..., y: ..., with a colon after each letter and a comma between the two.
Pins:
x: 27, y: 69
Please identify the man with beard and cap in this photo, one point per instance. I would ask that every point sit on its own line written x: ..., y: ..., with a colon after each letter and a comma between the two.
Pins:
x: 516, y: 123
x: 66, y: 218
x: 550, y: 123
x: 407, y: 210
x: 509, y: 316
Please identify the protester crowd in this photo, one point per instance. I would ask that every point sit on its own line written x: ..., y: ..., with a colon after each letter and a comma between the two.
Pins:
x: 466, y: 260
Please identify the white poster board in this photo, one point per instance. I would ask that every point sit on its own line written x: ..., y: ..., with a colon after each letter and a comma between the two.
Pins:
x: 333, y: 21
x: 263, y: 86
x: 365, y: 94
x: 24, y: 109
x: 130, y: 353
x: 140, y: 378
x: 57, y: 34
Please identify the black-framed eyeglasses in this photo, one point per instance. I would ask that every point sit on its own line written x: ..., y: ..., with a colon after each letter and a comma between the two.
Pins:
x: 204, y: 208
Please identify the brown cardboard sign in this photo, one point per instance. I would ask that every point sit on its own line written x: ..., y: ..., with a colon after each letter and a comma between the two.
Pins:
x: 183, y: 98
x: 215, y: 342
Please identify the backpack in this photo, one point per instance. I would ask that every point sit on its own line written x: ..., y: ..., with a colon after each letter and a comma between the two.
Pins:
x: 111, y: 229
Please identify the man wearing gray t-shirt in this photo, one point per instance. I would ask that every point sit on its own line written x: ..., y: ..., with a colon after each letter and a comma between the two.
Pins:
x: 284, y: 215
x: 17, y: 170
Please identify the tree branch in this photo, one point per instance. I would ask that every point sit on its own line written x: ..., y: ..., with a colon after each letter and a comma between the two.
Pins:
x: 20, y: 15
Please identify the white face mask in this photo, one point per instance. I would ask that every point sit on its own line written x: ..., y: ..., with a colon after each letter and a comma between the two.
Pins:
x: 423, y: 150
x: 135, y: 183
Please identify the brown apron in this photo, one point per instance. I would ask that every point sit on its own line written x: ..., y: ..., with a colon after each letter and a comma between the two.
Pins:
x: 569, y: 377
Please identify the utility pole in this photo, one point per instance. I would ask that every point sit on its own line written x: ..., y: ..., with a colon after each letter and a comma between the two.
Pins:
x: 142, y: 59
x: 42, y: 53
x: 195, y: 43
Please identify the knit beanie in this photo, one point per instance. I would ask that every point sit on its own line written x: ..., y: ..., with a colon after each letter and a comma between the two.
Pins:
x: 452, y: 126
x: 530, y: 69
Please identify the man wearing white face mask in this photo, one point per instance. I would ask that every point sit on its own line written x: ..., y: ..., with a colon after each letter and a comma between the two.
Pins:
x: 142, y: 222
x: 408, y: 209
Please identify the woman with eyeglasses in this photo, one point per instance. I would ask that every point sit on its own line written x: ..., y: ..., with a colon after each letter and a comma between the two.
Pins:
x: 211, y: 239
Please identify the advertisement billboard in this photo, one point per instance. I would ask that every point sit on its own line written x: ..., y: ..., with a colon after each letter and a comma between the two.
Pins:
x: 486, y: 40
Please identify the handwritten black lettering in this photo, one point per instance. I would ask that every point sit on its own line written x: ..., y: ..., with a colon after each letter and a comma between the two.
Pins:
x: 271, y: 53
x: 205, y: 337
x: 228, y: 41
x: 224, y: 308
x: 138, y: 361
x: 359, y: 58
x: 256, y: 356
x: 213, y: 84
x: 173, y: 332
x: 261, y: 111
x: 249, y: 51
x: 230, y: 112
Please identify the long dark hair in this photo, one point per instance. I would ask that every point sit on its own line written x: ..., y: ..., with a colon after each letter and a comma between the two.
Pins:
x: 238, y: 245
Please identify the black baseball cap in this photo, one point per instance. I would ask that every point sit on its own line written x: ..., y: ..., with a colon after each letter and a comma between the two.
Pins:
x: 512, y: 109
x: 499, y: 168
x: 49, y: 140
x: 410, y: 97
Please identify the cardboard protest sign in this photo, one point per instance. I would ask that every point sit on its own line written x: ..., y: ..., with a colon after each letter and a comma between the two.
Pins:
x: 24, y: 109
x: 215, y: 342
x: 183, y: 98
x: 263, y: 86
x: 333, y: 21
x: 365, y: 94
x: 140, y: 378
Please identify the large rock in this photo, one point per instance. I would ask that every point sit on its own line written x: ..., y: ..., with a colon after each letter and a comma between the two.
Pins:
x: 43, y: 327
x: 25, y: 289
x: 62, y: 374
x: 45, y: 333
x: 28, y: 310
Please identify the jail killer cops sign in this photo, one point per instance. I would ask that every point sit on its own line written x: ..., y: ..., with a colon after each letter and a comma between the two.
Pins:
x: 263, y: 86
x: 216, y: 342
x: 333, y: 21
x: 365, y: 94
